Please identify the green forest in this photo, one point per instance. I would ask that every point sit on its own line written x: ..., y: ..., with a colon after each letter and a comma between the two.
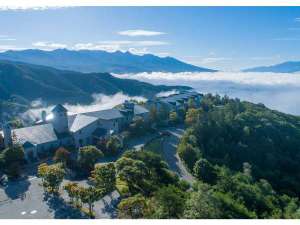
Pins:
x: 245, y: 158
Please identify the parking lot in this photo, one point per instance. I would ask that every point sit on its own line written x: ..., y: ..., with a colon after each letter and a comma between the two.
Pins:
x: 25, y: 199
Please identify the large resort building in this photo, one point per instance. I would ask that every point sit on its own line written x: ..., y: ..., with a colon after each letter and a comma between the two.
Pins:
x: 86, y: 128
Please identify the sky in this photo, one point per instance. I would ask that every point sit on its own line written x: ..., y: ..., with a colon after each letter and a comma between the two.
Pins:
x: 224, y: 38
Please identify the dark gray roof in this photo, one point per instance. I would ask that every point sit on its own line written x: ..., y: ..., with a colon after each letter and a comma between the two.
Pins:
x: 107, y: 114
x: 59, y: 108
x: 38, y: 134
x: 81, y: 121
x: 138, y: 109
x: 178, y: 97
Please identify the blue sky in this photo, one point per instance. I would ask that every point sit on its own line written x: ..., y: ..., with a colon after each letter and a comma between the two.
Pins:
x: 226, y: 38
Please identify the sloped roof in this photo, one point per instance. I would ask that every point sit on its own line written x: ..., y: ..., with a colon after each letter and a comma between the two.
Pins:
x: 59, y: 108
x: 81, y: 121
x: 178, y: 97
x: 138, y: 109
x: 107, y: 114
x: 38, y: 134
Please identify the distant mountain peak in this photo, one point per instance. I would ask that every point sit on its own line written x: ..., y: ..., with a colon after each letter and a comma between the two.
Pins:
x: 285, y: 67
x: 101, y: 61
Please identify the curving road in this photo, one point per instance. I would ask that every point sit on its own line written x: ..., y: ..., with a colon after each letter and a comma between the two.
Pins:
x: 170, y: 154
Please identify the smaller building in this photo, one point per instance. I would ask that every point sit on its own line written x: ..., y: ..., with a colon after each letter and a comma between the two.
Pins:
x: 176, y: 102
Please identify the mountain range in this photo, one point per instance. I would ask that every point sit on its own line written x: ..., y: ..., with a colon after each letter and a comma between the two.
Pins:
x: 285, y: 67
x: 88, y: 61
x: 28, y: 82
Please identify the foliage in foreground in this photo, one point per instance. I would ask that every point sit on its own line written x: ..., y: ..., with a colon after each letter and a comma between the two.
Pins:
x: 226, y: 136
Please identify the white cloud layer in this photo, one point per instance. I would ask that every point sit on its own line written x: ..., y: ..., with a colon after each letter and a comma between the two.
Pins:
x: 277, y: 91
x: 136, y: 47
x: 48, y: 45
x: 136, y: 33
x: 166, y: 93
x: 100, y: 102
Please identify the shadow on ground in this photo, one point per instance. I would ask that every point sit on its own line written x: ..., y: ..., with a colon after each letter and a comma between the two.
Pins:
x: 109, y: 204
x: 61, y: 209
x: 16, y: 189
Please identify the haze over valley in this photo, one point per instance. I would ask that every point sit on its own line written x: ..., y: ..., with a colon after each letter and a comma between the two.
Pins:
x: 278, y: 91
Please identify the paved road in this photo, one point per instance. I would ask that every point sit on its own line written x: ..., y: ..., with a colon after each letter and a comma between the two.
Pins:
x: 170, y: 155
x: 25, y: 199
x: 169, y: 150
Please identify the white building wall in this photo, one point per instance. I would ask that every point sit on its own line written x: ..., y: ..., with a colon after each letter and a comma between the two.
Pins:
x: 83, y: 136
x: 111, y: 124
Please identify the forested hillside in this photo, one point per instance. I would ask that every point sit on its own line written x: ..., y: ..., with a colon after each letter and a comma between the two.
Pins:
x: 56, y: 86
x: 246, y: 158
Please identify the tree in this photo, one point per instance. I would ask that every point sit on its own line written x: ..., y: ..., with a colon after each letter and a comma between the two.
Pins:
x: 62, y: 155
x: 191, y: 103
x: 138, y: 127
x: 89, y: 196
x: 168, y: 202
x: 202, y: 204
x: 12, y: 159
x: 104, y: 177
x: 153, y: 114
x: 88, y: 156
x: 205, y: 171
x: 134, y: 207
x: 173, y: 118
x: 113, y: 145
x: 192, y: 117
x: 188, y: 153
x: 132, y: 172
x: 52, y: 176
x: 73, y: 192
x: 16, y: 123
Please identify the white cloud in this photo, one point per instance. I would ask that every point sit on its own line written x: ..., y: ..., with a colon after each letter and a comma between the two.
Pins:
x: 15, y: 5
x: 7, y: 39
x: 139, y: 51
x: 277, y: 91
x: 166, y: 93
x: 297, y: 19
x: 138, y: 47
x: 135, y: 47
x: 94, y: 46
x: 100, y: 102
x: 48, y: 45
x: 136, y: 33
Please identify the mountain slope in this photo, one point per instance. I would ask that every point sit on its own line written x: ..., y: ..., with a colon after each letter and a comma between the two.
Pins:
x: 100, y: 61
x: 30, y: 82
x: 286, y: 67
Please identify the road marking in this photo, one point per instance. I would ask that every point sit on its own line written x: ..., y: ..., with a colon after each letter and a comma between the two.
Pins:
x: 33, y: 212
x: 23, y: 213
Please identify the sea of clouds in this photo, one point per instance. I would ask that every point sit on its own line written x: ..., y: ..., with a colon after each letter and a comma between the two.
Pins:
x: 276, y: 90
x: 100, y: 102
